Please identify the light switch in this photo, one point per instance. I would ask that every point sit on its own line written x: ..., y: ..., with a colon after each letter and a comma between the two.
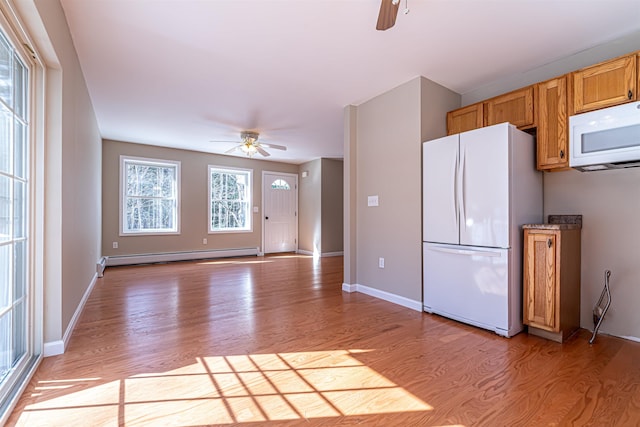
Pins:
x: 372, y: 200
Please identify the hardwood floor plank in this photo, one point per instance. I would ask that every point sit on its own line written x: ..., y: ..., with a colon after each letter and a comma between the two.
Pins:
x: 275, y: 341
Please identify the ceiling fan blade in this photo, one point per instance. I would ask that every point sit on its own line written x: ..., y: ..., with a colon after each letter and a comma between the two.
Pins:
x: 387, y: 15
x: 261, y: 151
x: 274, y: 146
x: 232, y: 150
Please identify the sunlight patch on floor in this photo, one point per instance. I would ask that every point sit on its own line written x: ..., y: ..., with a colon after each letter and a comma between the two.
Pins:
x: 226, y: 390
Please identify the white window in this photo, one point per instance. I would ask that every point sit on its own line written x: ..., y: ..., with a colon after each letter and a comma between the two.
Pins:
x: 150, y: 199
x: 16, y: 340
x: 280, y: 184
x: 229, y: 199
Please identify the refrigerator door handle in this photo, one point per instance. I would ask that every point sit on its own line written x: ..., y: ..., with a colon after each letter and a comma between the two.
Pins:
x: 455, y: 194
x: 481, y: 252
x: 461, y: 192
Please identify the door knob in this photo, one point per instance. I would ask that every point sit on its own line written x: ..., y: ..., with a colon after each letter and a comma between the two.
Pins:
x: 266, y: 217
x: 549, y: 242
x: 562, y: 154
x: 630, y: 94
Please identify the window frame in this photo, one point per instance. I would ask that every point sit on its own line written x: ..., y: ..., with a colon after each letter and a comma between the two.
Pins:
x: 24, y: 367
x: 227, y: 169
x: 124, y: 160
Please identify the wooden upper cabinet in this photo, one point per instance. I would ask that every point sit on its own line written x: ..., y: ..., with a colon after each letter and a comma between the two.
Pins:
x: 465, y: 118
x: 605, y: 84
x: 552, y: 133
x: 514, y: 107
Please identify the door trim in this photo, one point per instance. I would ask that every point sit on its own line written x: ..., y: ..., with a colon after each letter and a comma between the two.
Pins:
x: 262, y: 220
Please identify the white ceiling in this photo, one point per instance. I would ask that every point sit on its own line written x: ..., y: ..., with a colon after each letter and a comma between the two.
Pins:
x: 180, y: 73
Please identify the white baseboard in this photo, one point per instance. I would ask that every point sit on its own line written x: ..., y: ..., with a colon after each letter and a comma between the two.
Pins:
x: 383, y: 295
x: 636, y: 339
x: 322, y: 255
x: 346, y: 287
x: 178, y: 256
x: 54, y: 348
x: 328, y: 254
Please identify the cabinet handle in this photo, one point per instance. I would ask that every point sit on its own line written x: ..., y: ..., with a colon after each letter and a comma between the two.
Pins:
x: 549, y: 242
x: 630, y: 94
x: 562, y: 154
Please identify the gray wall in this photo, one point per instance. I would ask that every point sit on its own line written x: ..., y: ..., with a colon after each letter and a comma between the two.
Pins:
x: 321, y: 214
x: 350, y: 195
x: 310, y: 205
x: 386, y: 149
x: 608, y: 200
x: 332, y: 210
x: 71, y: 171
x: 193, y: 205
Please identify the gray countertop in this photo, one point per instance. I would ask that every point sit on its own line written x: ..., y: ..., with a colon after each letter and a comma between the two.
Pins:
x: 552, y: 226
x: 558, y: 222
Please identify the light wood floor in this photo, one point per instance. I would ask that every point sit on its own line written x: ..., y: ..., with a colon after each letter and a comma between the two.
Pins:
x: 274, y: 341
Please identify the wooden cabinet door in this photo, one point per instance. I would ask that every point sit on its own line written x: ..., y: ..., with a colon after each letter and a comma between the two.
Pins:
x: 465, y: 118
x: 552, y: 134
x: 605, y: 84
x: 514, y: 107
x: 540, y: 282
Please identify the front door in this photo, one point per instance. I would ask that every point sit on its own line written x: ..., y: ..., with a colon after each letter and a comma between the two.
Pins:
x: 280, y: 210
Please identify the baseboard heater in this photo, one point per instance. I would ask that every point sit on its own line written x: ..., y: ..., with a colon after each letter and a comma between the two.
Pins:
x: 100, y: 266
x: 178, y: 256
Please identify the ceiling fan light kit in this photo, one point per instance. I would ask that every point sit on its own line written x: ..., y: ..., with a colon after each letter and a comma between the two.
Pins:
x: 249, y: 149
x: 250, y: 145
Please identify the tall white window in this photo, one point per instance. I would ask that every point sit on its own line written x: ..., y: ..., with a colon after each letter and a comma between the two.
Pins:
x: 150, y: 196
x: 229, y: 199
x: 15, y: 291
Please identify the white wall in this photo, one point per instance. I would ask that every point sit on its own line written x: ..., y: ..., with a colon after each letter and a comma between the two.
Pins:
x: 614, y: 48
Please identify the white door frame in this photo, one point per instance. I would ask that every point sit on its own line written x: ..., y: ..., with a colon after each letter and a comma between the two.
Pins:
x: 295, y: 176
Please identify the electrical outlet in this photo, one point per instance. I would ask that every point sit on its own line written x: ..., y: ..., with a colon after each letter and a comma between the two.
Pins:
x: 115, y: 245
x: 380, y: 262
x: 204, y: 241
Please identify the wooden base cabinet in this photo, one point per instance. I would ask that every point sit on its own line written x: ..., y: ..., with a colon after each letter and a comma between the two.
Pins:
x: 551, y: 291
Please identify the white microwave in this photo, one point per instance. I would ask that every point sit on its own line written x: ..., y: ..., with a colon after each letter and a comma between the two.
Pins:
x: 605, y: 139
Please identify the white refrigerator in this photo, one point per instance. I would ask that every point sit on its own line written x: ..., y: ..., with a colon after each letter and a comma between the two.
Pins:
x: 479, y: 187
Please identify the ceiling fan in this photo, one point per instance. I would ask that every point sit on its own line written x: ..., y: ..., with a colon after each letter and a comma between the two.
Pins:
x: 388, y: 14
x: 251, y: 146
